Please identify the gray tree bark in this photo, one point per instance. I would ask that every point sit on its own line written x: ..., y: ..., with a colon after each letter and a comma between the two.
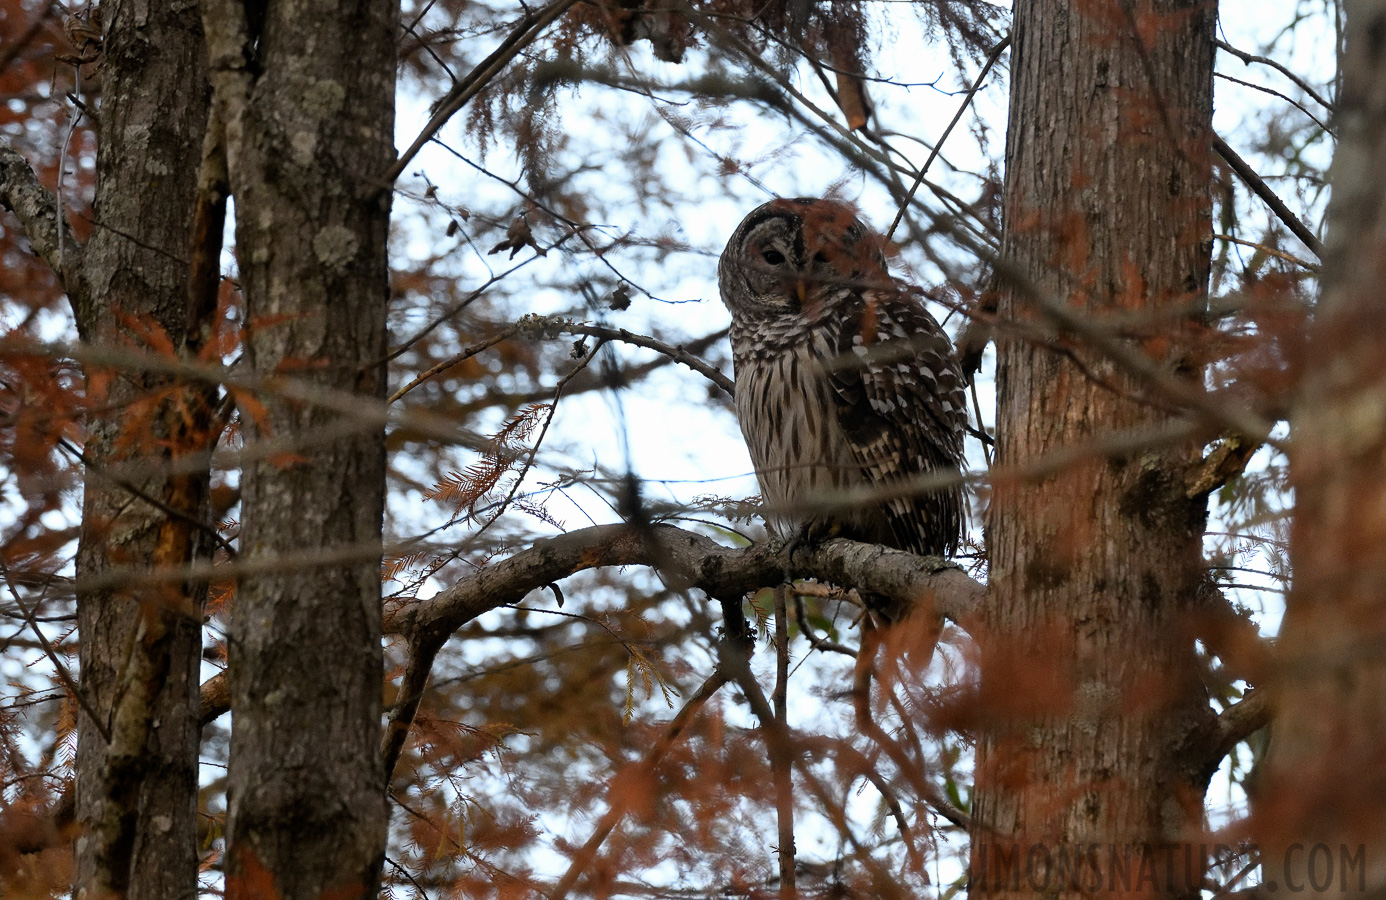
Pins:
x: 1319, y: 806
x: 1089, y: 682
x: 307, y: 99
x: 136, y: 795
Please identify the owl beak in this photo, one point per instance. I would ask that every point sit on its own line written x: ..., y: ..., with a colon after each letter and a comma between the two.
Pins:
x: 800, y: 290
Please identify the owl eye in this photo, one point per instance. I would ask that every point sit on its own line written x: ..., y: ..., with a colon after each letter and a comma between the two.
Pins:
x: 821, y: 258
x: 772, y: 257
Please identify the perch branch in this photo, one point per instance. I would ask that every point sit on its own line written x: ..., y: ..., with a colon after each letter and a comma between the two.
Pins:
x: 687, y: 560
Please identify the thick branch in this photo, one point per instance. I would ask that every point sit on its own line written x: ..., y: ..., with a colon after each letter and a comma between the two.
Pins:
x: 1209, y: 746
x: 1241, y: 720
x: 690, y: 560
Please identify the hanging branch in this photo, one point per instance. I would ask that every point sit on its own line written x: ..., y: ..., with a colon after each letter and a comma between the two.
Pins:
x: 782, y: 764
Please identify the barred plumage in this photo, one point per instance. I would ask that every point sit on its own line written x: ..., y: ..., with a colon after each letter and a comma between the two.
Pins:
x: 843, y: 380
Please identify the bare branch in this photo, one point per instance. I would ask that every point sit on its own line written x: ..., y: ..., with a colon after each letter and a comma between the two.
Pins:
x: 1269, y: 251
x: 1274, y: 93
x: 688, y: 560
x: 1250, y: 58
x: 1241, y: 720
x: 1268, y: 196
x: 675, y: 352
x: 539, y: 327
x: 782, y: 765
x: 478, y: 78
x: 1209, y: 745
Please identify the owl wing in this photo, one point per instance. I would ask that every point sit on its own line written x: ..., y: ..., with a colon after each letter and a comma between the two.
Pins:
x: 899, y: 397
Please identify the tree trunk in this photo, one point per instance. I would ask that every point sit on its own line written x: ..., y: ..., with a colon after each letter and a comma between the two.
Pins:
x: 136, y: 798
x: 1089, y: 680
x: 309, y: 115
x: 1319, y: 809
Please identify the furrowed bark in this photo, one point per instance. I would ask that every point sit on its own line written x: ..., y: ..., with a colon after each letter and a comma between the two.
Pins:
x: 1089, y: 685
x: 1318, y: 810
x: 136, y: 798
x: 307, y: 98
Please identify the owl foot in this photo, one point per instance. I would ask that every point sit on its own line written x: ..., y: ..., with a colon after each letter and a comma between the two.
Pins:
x: 810, y: 535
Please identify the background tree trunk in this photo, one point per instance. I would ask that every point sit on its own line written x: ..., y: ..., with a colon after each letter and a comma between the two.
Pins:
x: 309, y: 137
x: 1089, y: 681
x: 136, y: 799
x: 1324, y: 780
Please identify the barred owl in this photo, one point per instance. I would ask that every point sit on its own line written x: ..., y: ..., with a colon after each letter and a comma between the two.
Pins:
x: 843, y: 380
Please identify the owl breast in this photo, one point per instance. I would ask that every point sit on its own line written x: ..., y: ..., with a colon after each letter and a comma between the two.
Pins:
x: 802, y: 455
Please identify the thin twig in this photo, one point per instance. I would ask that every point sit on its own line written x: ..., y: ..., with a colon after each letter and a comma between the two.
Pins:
x: 866, y: 724
x: 1250, y: 58
x: 458, y: 307
x: 62, y: 160
x: 558, y: 325
x: 816, y: 642
x: 779, y: 739
x: 455, y: 359
x: 129, y: 487
x: 987, y: 452
x: 1274, y: 93
x: 676, y: 352
x: 938, y: 146
x: 1269, y: 251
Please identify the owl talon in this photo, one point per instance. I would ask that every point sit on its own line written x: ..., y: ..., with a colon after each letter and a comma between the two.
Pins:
x: 810, y: 536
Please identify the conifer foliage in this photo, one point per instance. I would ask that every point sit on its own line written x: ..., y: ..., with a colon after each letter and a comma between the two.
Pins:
x: 375, y: 520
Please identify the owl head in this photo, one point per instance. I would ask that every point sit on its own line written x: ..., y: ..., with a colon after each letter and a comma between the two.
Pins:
x: 788, y: 255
